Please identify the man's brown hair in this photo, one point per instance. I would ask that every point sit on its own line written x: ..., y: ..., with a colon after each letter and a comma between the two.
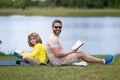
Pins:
x: 56, y: 21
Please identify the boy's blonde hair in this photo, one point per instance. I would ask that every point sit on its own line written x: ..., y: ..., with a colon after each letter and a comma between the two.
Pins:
x: 36, y: 36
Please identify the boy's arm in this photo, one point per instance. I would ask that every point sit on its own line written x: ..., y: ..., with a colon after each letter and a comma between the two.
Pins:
x: 36, y: 50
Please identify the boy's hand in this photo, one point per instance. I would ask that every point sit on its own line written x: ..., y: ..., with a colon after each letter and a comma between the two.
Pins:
x: 20, y: 53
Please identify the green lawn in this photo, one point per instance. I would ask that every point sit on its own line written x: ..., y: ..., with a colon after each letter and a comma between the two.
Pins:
x: 91, y: 72
x: 61, y: 12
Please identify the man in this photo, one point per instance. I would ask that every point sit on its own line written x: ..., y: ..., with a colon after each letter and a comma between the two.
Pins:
x: 57, y: 56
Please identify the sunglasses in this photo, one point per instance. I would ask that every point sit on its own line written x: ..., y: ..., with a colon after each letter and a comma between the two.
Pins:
x: 56, y: 27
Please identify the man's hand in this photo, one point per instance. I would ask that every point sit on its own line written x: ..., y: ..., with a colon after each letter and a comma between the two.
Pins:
x: 72, y: 51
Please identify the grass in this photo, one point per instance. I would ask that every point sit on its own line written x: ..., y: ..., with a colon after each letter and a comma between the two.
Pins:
x: 91, y: 72
x: 61, y: 12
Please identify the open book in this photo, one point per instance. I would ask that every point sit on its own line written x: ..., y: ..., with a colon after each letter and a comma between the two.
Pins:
x: 16, y: 54
x: 77, y: 45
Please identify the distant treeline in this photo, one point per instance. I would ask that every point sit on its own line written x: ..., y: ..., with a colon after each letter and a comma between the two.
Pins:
x: 24, y: 4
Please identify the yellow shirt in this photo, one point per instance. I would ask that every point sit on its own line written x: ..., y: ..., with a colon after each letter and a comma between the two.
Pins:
x: 39, y: 52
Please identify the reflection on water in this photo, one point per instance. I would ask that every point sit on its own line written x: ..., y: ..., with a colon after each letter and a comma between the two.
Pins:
x: 100, y: 34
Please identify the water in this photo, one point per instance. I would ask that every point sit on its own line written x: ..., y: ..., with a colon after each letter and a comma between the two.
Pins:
x: 101, y: 35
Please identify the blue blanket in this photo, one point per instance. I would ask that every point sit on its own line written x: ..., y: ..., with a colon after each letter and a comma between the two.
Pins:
x: 8, y: 63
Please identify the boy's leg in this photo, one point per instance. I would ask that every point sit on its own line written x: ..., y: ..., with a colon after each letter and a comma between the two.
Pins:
x: 31, y: 60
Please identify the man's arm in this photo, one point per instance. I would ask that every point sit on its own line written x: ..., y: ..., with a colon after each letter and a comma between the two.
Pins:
x: 60, y: 53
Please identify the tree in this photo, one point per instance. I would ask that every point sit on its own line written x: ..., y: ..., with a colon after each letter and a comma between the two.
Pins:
x: 0, y: 42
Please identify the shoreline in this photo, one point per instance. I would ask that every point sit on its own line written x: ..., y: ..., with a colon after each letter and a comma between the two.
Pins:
x: 60, y: 12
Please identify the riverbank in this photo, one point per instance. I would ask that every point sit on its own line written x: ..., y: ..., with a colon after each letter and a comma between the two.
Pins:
x: 61, y: 12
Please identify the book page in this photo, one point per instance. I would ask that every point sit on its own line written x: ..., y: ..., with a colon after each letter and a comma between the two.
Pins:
x: 17, y: 51
x: 77, y: 45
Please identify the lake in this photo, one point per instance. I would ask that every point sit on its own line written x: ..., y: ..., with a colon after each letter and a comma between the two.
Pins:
x: 101, y: 35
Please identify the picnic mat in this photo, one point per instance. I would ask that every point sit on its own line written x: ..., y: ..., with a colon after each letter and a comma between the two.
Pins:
x: 18, y: 62
x: 8, y: 63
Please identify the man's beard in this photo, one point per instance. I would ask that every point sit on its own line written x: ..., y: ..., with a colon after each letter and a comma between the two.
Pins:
x: 57, y: 32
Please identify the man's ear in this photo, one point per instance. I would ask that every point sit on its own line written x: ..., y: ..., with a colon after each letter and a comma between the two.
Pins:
x: 52, y: 27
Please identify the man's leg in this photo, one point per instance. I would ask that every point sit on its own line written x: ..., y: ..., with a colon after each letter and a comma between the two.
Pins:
x: 89, y: 58
x: 31, y: 60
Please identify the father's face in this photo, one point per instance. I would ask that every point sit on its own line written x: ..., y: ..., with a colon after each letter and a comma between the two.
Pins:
x: 57, y: 28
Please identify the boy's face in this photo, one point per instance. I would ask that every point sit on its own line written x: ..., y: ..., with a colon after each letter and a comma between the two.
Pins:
x: 33, y: 40
x: 57, y: 28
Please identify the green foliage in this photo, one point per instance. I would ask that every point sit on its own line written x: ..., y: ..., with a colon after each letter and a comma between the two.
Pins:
x: 5, y: 3
x: 0, y: 42
x: 26, y: 4
x: 2, y: 53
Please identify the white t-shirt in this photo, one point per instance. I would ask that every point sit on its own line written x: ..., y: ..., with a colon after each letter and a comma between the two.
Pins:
x: 54, y: 41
